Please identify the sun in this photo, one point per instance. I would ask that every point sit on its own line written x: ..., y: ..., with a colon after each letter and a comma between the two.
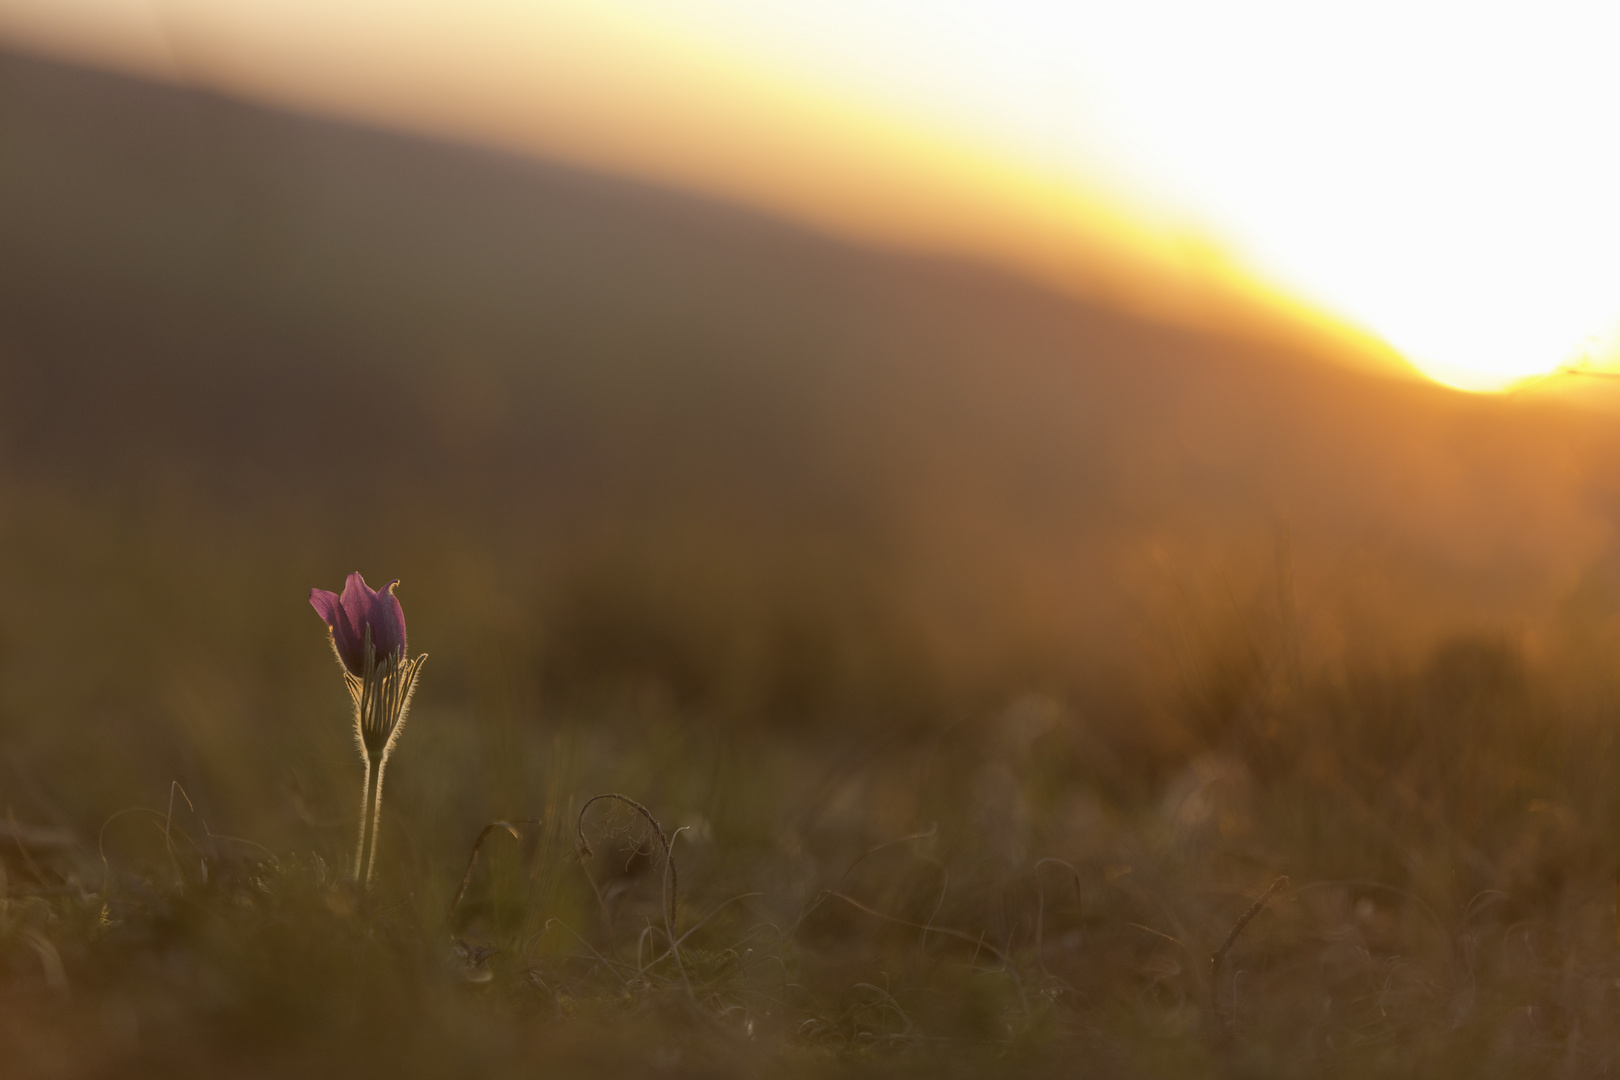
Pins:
x: 1506, y: 352
x: 1435, y: 172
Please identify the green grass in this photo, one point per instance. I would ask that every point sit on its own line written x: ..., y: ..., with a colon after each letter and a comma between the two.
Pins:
x: 983, y: 898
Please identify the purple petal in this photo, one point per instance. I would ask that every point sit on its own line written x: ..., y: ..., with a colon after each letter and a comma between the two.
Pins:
x: 325, y: 605
x: 328, y: 607
x: 357, y: 599
x: 388, y: 622
x: 361, y: 608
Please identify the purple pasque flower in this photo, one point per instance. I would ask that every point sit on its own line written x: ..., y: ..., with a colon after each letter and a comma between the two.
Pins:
x: 368, y: 635
x: 362, y: 609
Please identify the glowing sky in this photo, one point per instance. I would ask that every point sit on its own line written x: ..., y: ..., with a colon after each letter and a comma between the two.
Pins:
x: 1445, y: 176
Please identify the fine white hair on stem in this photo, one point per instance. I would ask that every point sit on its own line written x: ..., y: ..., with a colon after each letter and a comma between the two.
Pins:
x: 382, y: 696
x: 365, y: 807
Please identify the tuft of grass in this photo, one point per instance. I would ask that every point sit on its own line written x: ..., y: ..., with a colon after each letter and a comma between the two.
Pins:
x: 1017, y: 927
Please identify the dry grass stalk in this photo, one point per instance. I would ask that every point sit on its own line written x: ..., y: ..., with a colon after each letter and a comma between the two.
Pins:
x: 1224, y: 1018
x: 472, y: 861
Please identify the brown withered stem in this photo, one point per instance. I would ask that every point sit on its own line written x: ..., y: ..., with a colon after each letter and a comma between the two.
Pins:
x: 1224, y: 1018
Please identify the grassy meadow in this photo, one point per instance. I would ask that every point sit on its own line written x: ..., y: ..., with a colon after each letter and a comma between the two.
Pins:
x: 982, y: 656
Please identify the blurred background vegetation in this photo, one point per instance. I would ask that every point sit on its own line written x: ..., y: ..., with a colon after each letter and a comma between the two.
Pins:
x: 808, y: 548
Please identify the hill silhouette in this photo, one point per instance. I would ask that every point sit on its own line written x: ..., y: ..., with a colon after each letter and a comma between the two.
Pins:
x: 622, y: 441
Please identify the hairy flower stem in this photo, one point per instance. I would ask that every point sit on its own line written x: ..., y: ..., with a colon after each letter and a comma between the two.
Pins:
x: 365, y: 816
x: 382, y: 697
x: 376, y: 820
x: 365, y: 854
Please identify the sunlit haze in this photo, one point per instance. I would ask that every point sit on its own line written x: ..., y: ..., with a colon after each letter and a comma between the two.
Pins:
x: 957, y: 538
x: 1440, y: 176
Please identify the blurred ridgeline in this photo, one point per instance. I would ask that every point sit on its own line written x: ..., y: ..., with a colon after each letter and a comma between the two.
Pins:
x: 627, y: 446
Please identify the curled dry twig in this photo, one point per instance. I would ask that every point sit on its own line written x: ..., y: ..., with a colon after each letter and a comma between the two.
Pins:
x: 1218, y: 960
x: 671, y: 877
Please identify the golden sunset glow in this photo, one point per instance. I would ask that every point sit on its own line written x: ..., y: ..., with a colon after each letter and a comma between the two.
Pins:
x: 1437, y: 176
